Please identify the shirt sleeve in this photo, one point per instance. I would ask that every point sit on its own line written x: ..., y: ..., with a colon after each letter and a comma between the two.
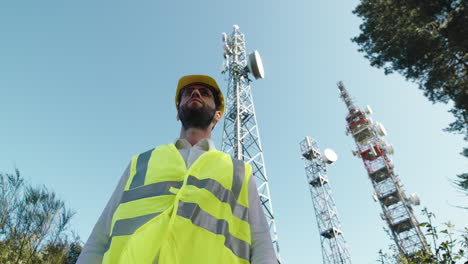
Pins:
x: 262, y: 251
x: 94, y: 249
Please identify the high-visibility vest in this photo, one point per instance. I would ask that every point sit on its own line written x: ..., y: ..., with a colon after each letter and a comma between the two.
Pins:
x: 169, y: 214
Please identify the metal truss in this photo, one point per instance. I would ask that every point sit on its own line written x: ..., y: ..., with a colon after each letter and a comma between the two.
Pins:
x: 374, y: 151
x: 241, y: 137
x: 334, y: 249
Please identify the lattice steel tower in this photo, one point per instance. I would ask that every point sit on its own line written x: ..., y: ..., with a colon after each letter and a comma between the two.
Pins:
x: 334, y: 249
x: 375, y: 151
x: 241, y: 137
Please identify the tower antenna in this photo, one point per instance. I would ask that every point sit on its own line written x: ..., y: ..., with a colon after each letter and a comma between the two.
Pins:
x: 375, y: 152
x: 241, y: 137
x: 334, y: 249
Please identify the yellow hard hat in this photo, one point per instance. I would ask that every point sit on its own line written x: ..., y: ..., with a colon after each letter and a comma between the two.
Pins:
x: 189, y: 79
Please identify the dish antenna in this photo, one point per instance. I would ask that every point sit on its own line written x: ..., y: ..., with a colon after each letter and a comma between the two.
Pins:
x: 369, y: 110
x: 414, y: 199
x: 224, y: 36
x: 329, y: 156
x: 255, y: 65
x: 381, y: 130
x: 375, y: 197
x: 389, y: 148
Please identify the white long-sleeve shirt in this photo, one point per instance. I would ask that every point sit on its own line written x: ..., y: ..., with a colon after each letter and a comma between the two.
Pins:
x: 262, y: 249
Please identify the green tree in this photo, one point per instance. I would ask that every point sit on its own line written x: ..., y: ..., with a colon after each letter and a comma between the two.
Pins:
x: 446, y: 249
x: 462, y: 181
x: 34, y: 224
x: 426, y: 42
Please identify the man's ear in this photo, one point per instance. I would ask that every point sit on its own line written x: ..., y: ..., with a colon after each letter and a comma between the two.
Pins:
x: 177, y: 116
x: 217, y: 116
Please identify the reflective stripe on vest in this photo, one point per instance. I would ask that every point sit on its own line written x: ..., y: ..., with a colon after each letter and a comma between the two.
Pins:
x: 125, y: 227
x: 150, y: 190
x: 223, y: 195
x: 142, y: 166
x: 146, y: 197
x: 200, y: 218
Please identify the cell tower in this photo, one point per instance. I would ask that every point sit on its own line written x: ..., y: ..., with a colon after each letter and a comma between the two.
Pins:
x: 375, y: 151
x: 241, y: 138
x: 334, y: 250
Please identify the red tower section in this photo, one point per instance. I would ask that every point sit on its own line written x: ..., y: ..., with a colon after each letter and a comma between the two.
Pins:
x: 375, y: 153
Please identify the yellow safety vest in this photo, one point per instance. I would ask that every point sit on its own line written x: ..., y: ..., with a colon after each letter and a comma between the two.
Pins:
x: 169, y: 214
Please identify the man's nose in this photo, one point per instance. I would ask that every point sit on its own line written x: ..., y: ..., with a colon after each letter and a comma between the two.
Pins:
x: 195, y: 92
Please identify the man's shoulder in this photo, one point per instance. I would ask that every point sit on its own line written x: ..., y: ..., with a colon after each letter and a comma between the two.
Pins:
x: 235, y: 161
x: 149, y: 151
x: 172, y: 147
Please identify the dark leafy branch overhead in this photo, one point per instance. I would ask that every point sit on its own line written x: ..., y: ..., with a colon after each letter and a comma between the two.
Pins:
x: 424, y: 40
x: 427, y: 42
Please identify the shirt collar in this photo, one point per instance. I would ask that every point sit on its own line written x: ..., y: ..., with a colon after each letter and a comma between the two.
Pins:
x: 203, y: 144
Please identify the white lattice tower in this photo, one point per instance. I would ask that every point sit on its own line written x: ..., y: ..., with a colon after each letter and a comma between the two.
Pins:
x: 241, y: 137
x: 375, y: 153
x: 334, y: 249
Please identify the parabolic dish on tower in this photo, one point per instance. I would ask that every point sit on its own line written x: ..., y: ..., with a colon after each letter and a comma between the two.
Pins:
x: 329, y: 156
x: 389, y: 148
x: 369, y: 110
x: 381, y: 130
x: 255, y: 65
x: 414, y: 199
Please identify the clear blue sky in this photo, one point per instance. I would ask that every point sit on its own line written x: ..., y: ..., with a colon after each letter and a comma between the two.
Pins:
x: 85, y: 85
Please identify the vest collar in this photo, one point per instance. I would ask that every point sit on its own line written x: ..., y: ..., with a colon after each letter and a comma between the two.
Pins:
x: 204, y: 144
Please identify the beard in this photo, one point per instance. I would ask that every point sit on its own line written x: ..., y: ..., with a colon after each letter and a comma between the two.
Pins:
x: 196, y: 117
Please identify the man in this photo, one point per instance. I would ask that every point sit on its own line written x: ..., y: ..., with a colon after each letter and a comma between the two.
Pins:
x: 186, y: 202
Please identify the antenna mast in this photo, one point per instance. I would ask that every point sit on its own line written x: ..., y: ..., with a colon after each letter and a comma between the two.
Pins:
x: 375, y: 151
x: 334, y: 250
x: 241, y: 138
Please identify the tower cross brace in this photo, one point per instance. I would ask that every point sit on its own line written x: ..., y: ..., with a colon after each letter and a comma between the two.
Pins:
x: 241, y: 137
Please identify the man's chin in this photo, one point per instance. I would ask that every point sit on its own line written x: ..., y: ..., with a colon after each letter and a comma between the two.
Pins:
x: 196, y: 115
x: 195, y: 104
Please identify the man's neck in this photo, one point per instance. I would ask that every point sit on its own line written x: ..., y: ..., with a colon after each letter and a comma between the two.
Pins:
x: 193, y: 135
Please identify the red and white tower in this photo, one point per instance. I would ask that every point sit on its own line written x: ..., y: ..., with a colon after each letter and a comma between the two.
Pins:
x: 374, y: 152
